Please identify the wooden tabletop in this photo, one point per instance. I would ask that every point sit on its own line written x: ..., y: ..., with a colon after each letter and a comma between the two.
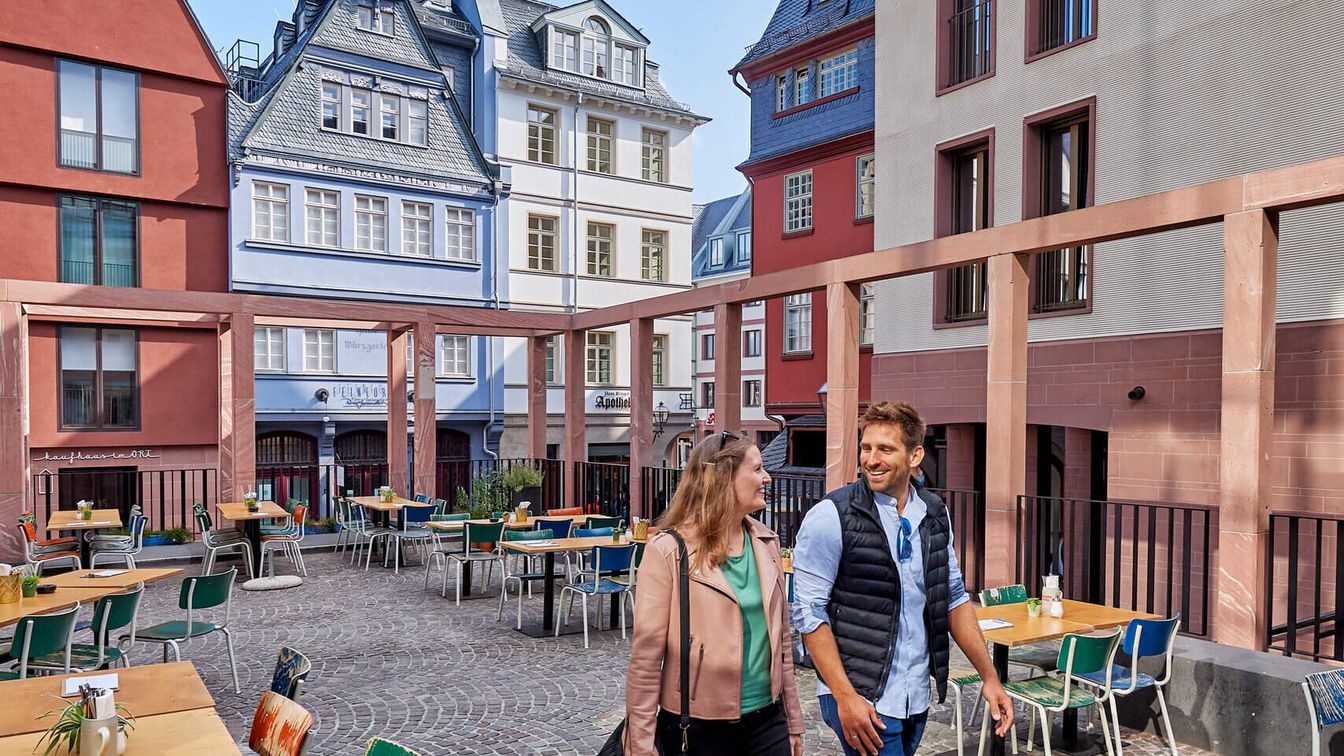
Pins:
x: 452, y: 526
x: 183, y: 733
x: 127, y: 578
x: 69, y: 519
x: 377, y: 503
x: 46, y: 602
x: 147, y: 690
x: 1079, y: 617
x: 560, y: 544
x: 237, y: 511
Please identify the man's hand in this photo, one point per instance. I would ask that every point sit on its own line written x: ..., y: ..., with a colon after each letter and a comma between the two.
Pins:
x: 796, y: 743
x: 859, y: 721
x: 999, y: 705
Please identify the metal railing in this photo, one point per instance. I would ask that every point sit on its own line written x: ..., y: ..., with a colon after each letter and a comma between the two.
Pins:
x: 603, y: 488
x: 657, y: 485
x: 86, y: 272
x: 1061, y: 279
x: 165, y: 496
x: 80, y: 150
x: 967, y: 511
x: 787, y: 499
x: 1303, y: 600
x: 1061, y: 22
x: 968, y: 48
x: 318, y: 486
x: 967, y: 292
x: 1143, y: 556
x: 453, y: 474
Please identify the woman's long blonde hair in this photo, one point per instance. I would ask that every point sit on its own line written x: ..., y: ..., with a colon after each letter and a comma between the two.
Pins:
x: 705, y: 504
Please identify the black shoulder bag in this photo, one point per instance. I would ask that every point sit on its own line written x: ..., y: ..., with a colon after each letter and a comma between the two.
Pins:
x: 615, y: 745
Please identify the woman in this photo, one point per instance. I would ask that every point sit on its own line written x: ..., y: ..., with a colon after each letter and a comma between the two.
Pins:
x: 744, y: 700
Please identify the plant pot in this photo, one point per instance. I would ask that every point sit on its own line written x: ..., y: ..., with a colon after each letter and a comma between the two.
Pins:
x: 156, y: 540
x: 10, y: 588
x: 786, y: 564
x: 29, y: 591
x: 483, y: 546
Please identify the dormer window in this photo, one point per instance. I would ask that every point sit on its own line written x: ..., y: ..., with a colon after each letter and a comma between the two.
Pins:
x: 595, y: 50
x: 596, y: 41
x: 374, y: 17
x: 564, y: 49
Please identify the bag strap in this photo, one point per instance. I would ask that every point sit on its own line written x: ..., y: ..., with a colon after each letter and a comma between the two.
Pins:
x: 684, y: 581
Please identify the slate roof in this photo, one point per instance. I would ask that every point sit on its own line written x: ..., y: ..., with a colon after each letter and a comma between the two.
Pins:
x: 437, y: 16
x: 720, y: 218
x: 796, y: 21
x: 349, y: 37
x: 707, y: 219
x: 525, y: 61
x: 775, y: 455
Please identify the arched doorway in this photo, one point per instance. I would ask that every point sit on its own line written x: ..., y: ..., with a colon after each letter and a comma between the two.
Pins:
x: 287, y: 467
x: 452, y: 463
x: 362, y: 457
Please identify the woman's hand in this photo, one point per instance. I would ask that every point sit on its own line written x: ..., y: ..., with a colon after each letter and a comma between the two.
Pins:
x: 796, y: 741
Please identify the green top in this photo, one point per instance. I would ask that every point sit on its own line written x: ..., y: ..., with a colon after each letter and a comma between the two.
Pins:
x: 741, y: 573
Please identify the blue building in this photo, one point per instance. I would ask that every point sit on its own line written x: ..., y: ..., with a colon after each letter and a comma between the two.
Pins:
x: 356, y: 175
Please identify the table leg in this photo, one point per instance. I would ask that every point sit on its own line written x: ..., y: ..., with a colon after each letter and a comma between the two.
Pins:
x: 1070, y: 727
x: 996, y: 743
x: 548, y: 594
x: 466, y: 576
x: 252, y: 529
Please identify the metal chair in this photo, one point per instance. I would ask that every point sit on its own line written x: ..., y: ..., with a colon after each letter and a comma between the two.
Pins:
x: 280, y: 727
x: 476, y: 533
x: 523, y: 576
x: 287, y: 541
x: 216, y: 541
x: 1143, y: 637
x: 198, y: 592
x: 291, y: 670
x: 615, y: 559
x: 119, y: 549
x: 41, y: 553
x: 110, y: 613
x: 1325, y: 703
x: 38, y: 635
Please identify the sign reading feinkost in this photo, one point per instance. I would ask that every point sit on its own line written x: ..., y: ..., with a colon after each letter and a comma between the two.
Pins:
x: 359, y: 395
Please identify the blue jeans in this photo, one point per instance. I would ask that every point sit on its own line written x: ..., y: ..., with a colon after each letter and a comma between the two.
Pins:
x: 901, y: 738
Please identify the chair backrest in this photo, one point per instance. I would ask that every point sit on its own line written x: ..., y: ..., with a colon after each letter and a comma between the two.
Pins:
x: 205, y: 591
x: 611, y: 559
x: 417, y: 514
x: 422, y: 498
x: 28, y: 526
x: 1147, y: 637
x: 559, y: 526
x: 457, y: 517
x: 300, y: 513
x: 203, y: 520
x: 591, y: 532
x: 601, y: 522
x: 1007, y: 594
x: 564, y: 511
x: 280, y: 726
x: 480, y: 532
x: 115, y: 612
x: 138, y: 524
x: 528, y: 535
x: 1081, y: 654
x: 1325, y: 693
x: 291, y: 669
x: 41, y: 634
x: 382, y: 747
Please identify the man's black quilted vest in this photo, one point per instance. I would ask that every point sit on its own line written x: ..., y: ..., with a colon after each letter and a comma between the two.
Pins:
x: 866, y: 598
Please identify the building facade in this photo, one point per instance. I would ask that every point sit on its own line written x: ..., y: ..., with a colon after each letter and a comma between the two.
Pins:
x: 356, y: 176
x: 812, y: 168
x: 114, y: 177
x: 599, y: 209
x: 1055, y: 106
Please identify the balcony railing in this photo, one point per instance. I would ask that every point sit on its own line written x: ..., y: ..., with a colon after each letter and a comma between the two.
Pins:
x: 165, y: 496
x: 86, y: 272
x: 603, y: 488
x: 657, y: 486
x: 1304, y: 603
x: 1061, y: 22
x: 969, y: 32
x: 79, y: 149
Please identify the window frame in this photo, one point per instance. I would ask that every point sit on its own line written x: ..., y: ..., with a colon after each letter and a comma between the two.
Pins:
x: 443, y: 357
x: 99, y: 205
x: 658, y: 359
x: 339, y: 102
x: 573, y: 58
x: 707, y: 395
x: 647, y: 150
x: 646, y: 259
x: 595, y: 140
x: 308, y: 207
x: 465, y: 222
x: 318, y: 342
x: 752, y: 393
x: 781, y: 92
x: 867, y: 315
x: 372, y: 198
x: 414, y: 224
x: 843, y: 70
x: 540, y: 127
x: 943, y: 67
x: 800, y: 197
x: 1034, y: 127
x: 716, y: 255
x: 98, y: 165
x: 860, y: 181
x: 742, y: 250
x: 803, y: 340
x: 948, y: 156
x: 99, y: 399
x: 553, y: 234
x: 270, y: 200
x: 593, y: 259
x: 708, y: 346
x: 257, y: 366
x: 594, y: 352
x: 411, y: 119
x: 801, y: 85
x: 752, y: 342
x: 1033, y: 30
x: 378, y: 16
x: 555, y: 360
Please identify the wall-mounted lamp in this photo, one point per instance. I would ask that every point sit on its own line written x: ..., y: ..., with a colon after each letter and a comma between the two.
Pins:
x: 322, y: 395
x: 1136, y: 393
x: 660, y: 415
x: 821, y: 398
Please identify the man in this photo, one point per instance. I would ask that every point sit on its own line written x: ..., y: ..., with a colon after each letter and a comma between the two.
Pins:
x: 877, y: 589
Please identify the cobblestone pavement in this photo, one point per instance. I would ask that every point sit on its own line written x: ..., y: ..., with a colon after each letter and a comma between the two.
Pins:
x: 392, y: 659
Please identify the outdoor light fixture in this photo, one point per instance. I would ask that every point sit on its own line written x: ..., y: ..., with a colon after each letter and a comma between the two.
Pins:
x: 821, y: 398
x: 322, y: 395
x: 1136, y: 393
x: 660, y: 414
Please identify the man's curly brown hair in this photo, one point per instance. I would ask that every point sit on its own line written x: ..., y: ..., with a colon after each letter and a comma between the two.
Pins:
x: 901, y: 414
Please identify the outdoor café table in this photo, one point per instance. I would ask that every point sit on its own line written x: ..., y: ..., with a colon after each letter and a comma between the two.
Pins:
x: 124, y: 579
x: 251, y: 522
x: 1079, y: 617
x: 457, y: 526
x: 385, y: 509
x: 557, y: 546
x: 62, y: 598
x: 146, y: 690
x: 69, y: 519
x: 182, y: 733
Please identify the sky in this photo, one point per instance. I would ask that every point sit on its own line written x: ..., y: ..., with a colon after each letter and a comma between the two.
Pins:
x: 694, y: 42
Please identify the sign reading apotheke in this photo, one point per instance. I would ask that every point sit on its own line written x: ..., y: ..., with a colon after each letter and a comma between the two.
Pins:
x: 615, y: 402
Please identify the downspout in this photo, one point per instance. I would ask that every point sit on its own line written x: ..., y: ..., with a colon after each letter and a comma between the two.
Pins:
x: 496, y: 189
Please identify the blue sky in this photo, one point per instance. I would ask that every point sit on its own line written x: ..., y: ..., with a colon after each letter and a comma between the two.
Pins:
x: 694, y: 41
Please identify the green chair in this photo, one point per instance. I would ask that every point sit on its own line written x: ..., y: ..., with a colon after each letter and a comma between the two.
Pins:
x: 474, y: 532
x: 110, y: 613
x: 198, y: 592
x: 525, y: 575
x: 439, y: 553
x: 381, y: 747
x: 38, y: 635
x: 1078, y: 655
x: 1037, y: 658
x: 601, y: 522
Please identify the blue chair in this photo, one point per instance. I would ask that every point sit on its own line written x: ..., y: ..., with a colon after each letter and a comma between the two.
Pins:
x: 559, y: 526
x: 607, y: 560
x: 1325, y: 703
x: 291, y: 670
x: 422, y: 498
x: 1143, y: 637
x: 570, y: 567
x: 413, y: 527
x: 591, y: 532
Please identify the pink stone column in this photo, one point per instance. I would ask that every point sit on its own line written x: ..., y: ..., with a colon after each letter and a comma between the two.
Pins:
x: 728, y: 367
x: 842, y: 384
x: 1005, y: 414
x: 960, y: 465
x: 1250, y: 278
x: 641, y: 408
x: 426, y: 411
x: 237, y: 408
x: 396, y: 411
x: 536, y: 396
x: 15, y: 474
x: 576, y: 397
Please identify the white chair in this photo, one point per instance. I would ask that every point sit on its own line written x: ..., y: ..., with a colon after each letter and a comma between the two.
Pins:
x: 616, y: 560
x: 216, y: 541
x: 287, y: 541
x: 119, y: 549
x: 1143, y: 637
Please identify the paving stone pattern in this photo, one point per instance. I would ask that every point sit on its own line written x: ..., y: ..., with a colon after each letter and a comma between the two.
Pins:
x: 395, y: 660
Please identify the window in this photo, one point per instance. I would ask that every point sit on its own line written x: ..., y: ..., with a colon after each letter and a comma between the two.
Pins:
x: 966, y: 42
x: 589, y: 51
x: 798, y: 323
x: 1061, y: 275
x: 865, y: 176
x: 659, y: 369
x: 623, y: 70
x: 541, y: 135
x: 390, y: 107
x: 270, y: 211
x: 707, y: 346
x: 595, y: 42
x: 599, y: 357
x: 866, y: 317
x: 322, y: 217
x: 798, y: 202
x: 455, y: 356
x: 716, y: 252
x: 360, y: 100
x: 751, y: 343
x: 99, y: 385
x: 781, y: 92
x: 554, y: 352
x: 838, y: 73
x: 417, y: 229
x: 564, y: 46
x: 653, y: 153
x: 751, y: 393
x: 375, y: 17
x: 743, y: 246
x: 319, y: 350
x: 461, y: 237
x: 268, y: 349
x: 599, y: 145
x: 99, y: 241
x: 599, y: 249
x: 331, y: 105
x: 707, y: 395
x: 970, y: 172
x: 541, y: 242
x: 653, y: 247
x: 370, y: 223
x: 1052, y: 24
x: 417, y: 121
x: 800, y: 86
x: 99, y: 115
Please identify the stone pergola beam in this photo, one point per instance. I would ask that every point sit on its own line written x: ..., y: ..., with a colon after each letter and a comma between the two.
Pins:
x: 15, y: 474
x: 576, y: 427
x: 728, y: 366
x: 842, y: 384
x: 397, y: 476
x: 426, y: 409
x: 1005, y: 413
x: 237, y: 408
x: 536, y: 398
x: 641, y: 408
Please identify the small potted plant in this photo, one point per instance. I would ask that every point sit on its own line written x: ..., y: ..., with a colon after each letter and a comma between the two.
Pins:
x: 250, y: 500
x: 68, y: 729
x: 85, y: 510
x: 29, y: 585
x: 786, y: 559
x: 179, y: 535
x: 387, y: 494
x: 1033, y: 607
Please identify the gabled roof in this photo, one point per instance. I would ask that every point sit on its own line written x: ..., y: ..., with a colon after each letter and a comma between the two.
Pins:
x: 580, y: 11
x: 796, y: 21
x: 722, y: 217
x: 340, y: 35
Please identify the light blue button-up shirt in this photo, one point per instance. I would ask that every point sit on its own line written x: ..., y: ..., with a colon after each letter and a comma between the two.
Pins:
x: 816, y: 559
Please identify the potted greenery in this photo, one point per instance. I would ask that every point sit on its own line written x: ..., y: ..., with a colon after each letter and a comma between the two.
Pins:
x: 488, y: 495
x: 68, y: 729
x: 786, y: 559
x: 157, y: 538
x: 179, y: 535
x: 1033, y: 607
x: 250, y: 501
x: 524, y: 484
x: 29, y: 585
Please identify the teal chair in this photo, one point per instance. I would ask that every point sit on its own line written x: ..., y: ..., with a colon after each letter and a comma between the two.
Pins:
x: 110, y: 613
x: 474, y: 532
x: 39, y: 635
x: 382, y: 747
x: 439, y: 552
x: 601, y: 522
x: 198, y: 592
x: 523, y: 576
x: 1143, y: 637
x: 1038, y: 658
